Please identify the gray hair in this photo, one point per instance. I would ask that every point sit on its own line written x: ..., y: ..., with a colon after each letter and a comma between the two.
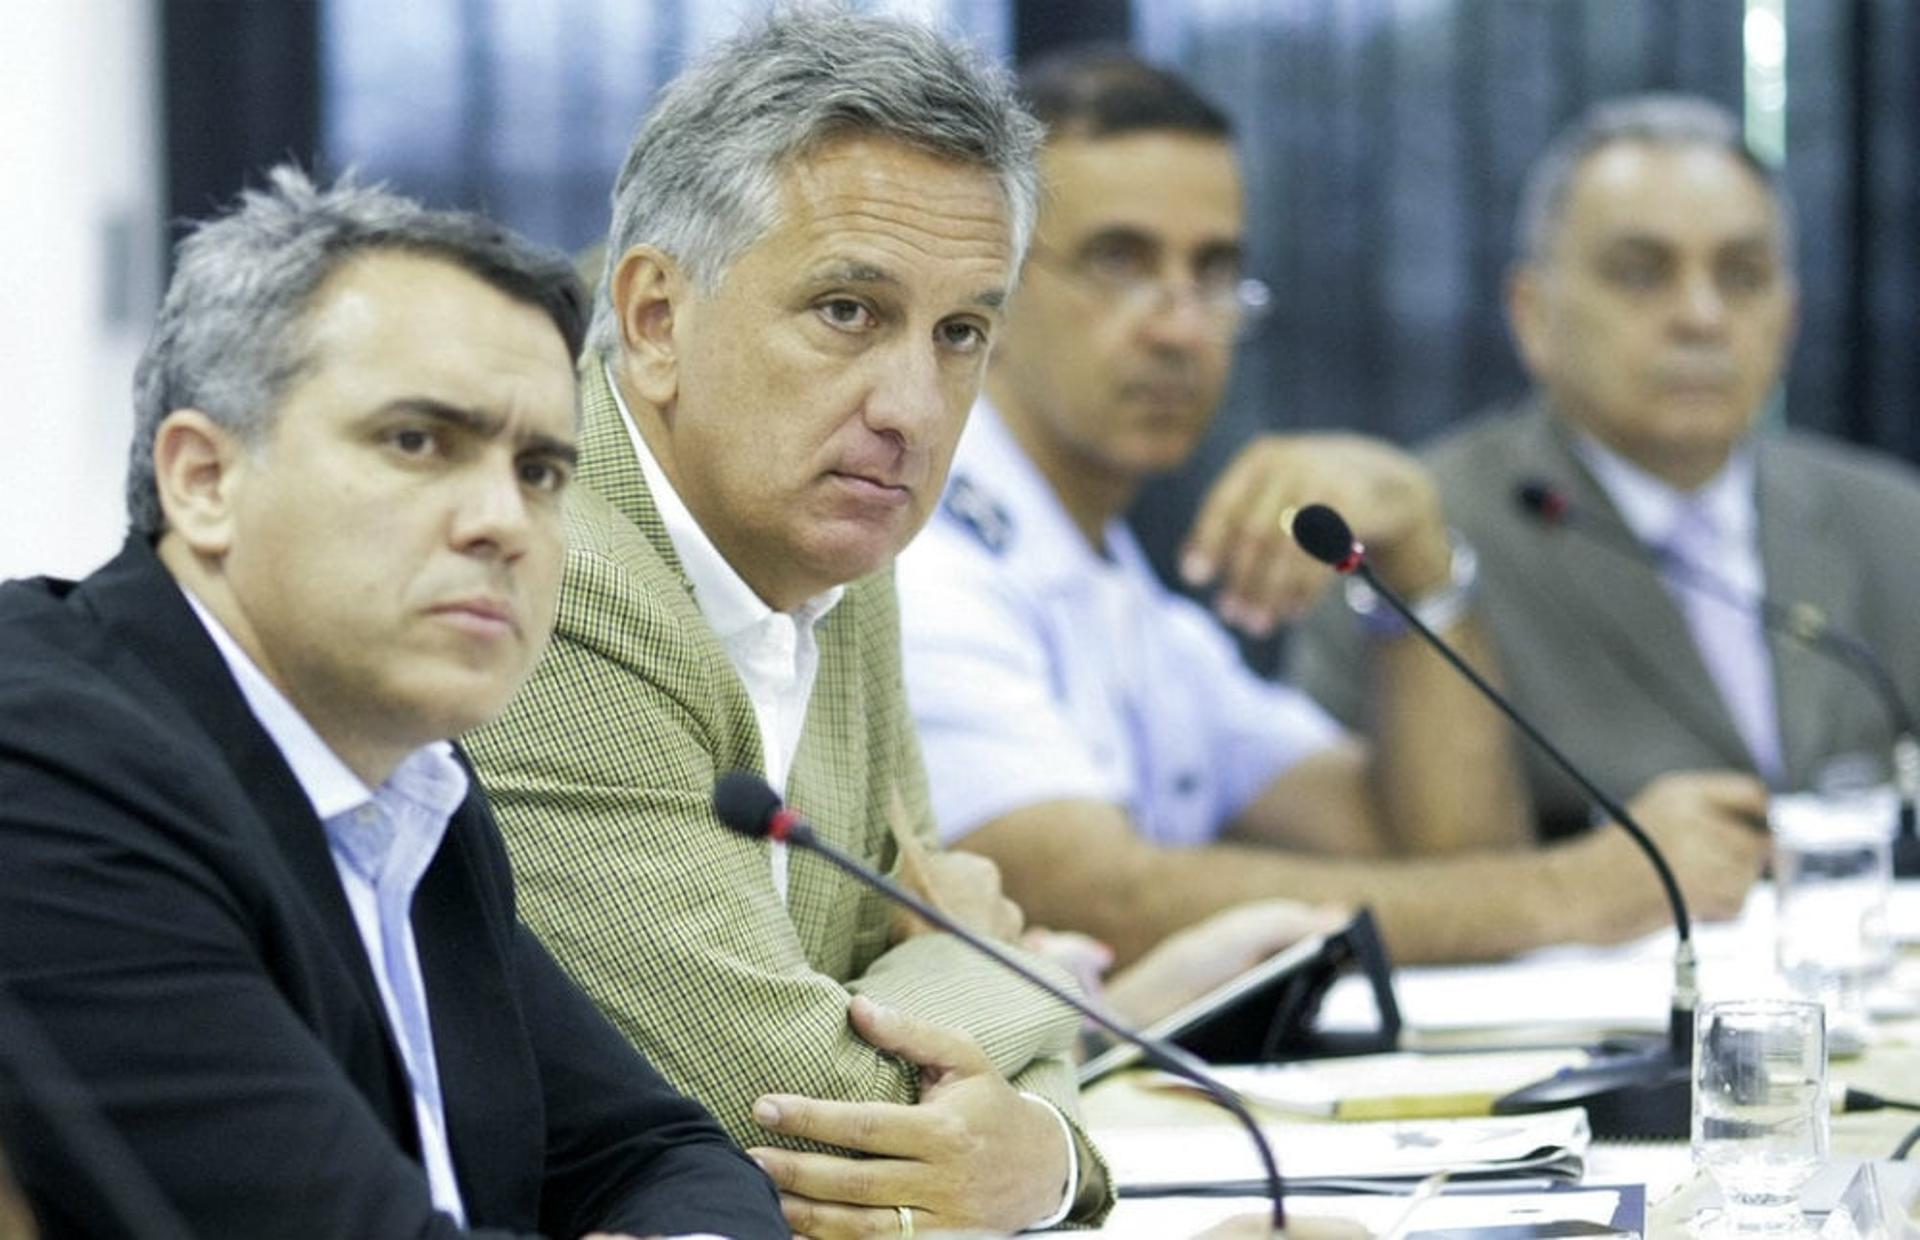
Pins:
x: 1657, y: 119
x: 702, y: 178
x: 230, y: 337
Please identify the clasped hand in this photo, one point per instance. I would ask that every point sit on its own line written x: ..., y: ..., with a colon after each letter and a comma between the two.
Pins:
x: 973, y: 1152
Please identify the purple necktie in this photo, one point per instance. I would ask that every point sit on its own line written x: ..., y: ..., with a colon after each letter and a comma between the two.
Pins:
x: 1729, y: 637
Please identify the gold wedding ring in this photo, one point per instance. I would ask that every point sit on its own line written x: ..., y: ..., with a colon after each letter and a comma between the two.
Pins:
x: 905, y: 1215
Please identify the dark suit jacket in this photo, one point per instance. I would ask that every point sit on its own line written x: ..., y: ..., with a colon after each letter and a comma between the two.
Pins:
x: 170, y: 915
x: 1597, y: 652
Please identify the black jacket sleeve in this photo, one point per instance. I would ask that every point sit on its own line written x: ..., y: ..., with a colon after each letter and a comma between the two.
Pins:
x: 625, y: 1150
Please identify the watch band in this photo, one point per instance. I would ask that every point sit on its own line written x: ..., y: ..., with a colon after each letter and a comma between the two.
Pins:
x: 1439, y: 609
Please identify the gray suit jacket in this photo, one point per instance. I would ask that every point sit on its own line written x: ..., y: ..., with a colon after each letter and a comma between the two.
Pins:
x: 1596, y: 651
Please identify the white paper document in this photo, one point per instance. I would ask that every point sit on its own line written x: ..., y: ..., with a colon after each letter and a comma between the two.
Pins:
x: 1550, y: 1146
x: 1627, y: 988
x: 1169, y: 1218
x: 1403, y: 1085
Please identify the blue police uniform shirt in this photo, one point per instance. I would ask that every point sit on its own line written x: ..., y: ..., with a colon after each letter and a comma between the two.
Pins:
x: 1041, y: 670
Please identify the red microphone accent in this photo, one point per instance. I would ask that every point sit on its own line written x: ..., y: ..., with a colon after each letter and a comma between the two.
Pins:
x: 780, y: 824
x: 1543, y: 501
x: 1352, y: 559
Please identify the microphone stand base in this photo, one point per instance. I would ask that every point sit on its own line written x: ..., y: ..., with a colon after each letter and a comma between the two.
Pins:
x: 1646, y: 1096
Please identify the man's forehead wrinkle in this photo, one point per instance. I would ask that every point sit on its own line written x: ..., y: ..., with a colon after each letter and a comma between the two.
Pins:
x: 858, y: 226
x: 921, y: 217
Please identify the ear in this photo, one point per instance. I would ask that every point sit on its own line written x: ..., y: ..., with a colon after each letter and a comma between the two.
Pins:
x: 1526, y: 317
x: 648, y: 292
x: 197, y: 467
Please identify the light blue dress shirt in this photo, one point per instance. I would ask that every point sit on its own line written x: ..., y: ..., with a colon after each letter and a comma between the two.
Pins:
x: 382, y: 842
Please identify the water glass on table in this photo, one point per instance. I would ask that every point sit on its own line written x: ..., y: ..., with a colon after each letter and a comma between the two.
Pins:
x: 1760, y: 1109
x: 1833, y: 877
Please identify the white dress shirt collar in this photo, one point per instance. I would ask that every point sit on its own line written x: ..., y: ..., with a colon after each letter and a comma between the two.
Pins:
x: 775, y: 654
x: 330, y: 784
x: 1652, y: 506
x: 726, y: 600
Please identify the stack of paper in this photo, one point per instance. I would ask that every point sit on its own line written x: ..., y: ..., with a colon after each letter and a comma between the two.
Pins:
x: 1549, y: 1147
x: 1399, y: 1086
x: 1159, y: 1218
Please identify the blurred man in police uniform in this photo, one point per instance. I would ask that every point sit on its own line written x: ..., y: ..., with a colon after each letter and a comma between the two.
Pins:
x: 1096, y: 735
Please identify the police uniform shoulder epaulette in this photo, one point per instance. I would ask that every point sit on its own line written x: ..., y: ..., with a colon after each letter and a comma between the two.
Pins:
x: 979, y: 513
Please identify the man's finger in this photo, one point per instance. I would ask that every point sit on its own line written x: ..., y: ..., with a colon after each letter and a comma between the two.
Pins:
x: 916, y: 1041
x: 1730, y: 786
x: 1254, y: 537
x: 1200, y: 561
x: 829, y: 1220
x: 886, y: 1128
x: 1741, y: 797
x: 849, y: 1181
x: 914, y: 873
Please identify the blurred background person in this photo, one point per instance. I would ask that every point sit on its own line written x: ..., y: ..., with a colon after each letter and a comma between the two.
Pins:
x: 1099, y: 737
x: 1653, y: 301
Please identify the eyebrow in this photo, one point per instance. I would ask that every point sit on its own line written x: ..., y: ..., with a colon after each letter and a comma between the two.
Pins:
x: 850, y: 271
x: 482, y: 424
x: 1744, y: 241
x: 1204, y: 250
x: 1119, y: 232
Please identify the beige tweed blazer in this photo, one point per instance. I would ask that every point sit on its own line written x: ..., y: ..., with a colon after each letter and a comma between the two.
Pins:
x: 601, y: 775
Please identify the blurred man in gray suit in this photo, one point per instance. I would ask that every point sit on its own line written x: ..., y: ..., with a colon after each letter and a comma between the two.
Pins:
x: 1653, y: 303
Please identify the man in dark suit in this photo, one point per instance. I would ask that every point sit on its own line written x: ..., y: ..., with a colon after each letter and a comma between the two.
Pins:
x: 249, y: 889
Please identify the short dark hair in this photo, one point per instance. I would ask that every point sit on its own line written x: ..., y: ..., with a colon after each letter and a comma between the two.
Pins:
x: 1101, y: 91
x: 230, y: 334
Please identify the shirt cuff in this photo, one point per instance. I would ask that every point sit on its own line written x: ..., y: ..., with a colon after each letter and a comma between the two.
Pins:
x: 1059, y: 1216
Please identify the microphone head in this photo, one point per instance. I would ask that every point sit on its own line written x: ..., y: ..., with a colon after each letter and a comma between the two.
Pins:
x: 1540, y: 500
x: 746, y: 803
x: 1324, y: 534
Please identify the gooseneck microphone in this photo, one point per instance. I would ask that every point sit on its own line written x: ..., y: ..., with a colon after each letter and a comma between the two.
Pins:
x: 1644, y: 1094
x: 1802, y: 622
x: 746, y: 803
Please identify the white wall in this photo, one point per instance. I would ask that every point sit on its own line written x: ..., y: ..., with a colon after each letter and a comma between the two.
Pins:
x: 80, y: 229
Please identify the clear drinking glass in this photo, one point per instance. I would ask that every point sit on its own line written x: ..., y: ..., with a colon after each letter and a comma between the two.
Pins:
x: 1760, y: 1107
x: 1833, y: 875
